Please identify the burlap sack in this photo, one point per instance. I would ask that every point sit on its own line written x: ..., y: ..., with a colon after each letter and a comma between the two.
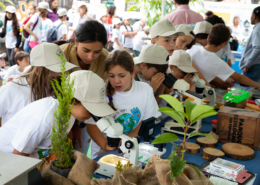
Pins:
x: 150, y: 167
x: 162, y: 167
x: 133, y: 174
x: 148, y: 180
x: 101, y: 182
x: 182, y: 180
x: 194, y: 177
x: 119, y: 179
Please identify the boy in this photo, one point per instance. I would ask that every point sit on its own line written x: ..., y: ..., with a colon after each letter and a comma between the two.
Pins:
x: 201, y: 32
x: 138, y: 26
x: 61, y: 28
x: 210, y: 65
x: 22, y: 64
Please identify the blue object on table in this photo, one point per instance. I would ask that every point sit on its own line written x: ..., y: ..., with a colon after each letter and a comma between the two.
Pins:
x: 235, y: 66
x: 240, y: 48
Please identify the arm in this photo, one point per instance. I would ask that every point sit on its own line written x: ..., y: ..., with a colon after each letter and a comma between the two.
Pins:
x: 27, y: 28
x: 159, y: 92
x: 129, y: 34
x: 229, y: 63
x: 19, y: 153
x: 134, y: 132
x: 116, y: 40
x: 217, y: 82
x: 19, y: 39
x: 245, y: 80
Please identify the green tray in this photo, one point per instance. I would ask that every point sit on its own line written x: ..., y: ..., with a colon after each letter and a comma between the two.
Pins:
x: 236, y: 95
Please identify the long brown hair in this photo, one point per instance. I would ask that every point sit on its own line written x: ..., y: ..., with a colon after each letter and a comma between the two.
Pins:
x: 15, y: 24
x: 123, y: 59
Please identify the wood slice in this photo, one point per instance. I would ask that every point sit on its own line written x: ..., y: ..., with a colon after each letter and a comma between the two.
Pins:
x: 192, y: 148
x: 210, y: 154
x: 207, y: 142
x: 238, y: 151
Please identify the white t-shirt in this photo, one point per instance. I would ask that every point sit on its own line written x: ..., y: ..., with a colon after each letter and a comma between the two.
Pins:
x: 225, y: 53
x: 116, y: 34
x: 107, y: 27
x: 77, y: 20
x: 11, y: 39
x: 70, y: 15
x: 209, y: 64
x: 137, y: 26
x: 13, y: 98
x: 37, y: 29
x: 236, y: 31
x: 62, y: 30
x: 138, y: 42
x: 2, y: 73
x: 47, y: 24
x: 127, y: 41
x: 14, y: 71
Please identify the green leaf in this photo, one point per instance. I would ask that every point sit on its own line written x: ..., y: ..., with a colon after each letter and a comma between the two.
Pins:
x: 199, y: 110
x: 204, y: 115
x: 172, y: 155
x: 196, y: 169
x: 189, y: 105
x: 165, y: 138
x: 177, y: 149
x: 173, y: 102
x: 172, y: 177
x: 172, y: 113
x: 177, y: 166
x: 10, y: 2
x: 200, y: 134
x: 2, y: 5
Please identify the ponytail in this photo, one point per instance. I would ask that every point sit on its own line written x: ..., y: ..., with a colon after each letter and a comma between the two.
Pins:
x: 110, y: 92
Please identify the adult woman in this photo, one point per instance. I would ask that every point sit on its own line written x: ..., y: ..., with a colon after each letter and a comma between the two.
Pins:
x: 87, y: 49
x: 111, y: 10
x: 53, y: 16
x: 236, y: 33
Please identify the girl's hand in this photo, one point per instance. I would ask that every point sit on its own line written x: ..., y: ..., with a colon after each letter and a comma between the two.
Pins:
x: 36, y: 39
x: 108, y: 148
x: 16, y: 50
x: 188, y: 78
x: 157, y: 80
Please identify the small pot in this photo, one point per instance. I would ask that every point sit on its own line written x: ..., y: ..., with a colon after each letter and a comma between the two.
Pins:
x: 62, y: 172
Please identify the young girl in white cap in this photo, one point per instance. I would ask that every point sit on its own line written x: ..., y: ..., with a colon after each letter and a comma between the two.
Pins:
x: 133, y: 101
x: 30, y: 136
x: 34, y: 84
x: 185, y: 41
x: 128, y: 33
x: 11, y: 32
x: 117, y: 35
x: 138, y: 40
x: 103, y: 20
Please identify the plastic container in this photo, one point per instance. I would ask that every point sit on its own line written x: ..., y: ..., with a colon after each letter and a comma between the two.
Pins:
x: 236, y: 98
x: 214, y: 125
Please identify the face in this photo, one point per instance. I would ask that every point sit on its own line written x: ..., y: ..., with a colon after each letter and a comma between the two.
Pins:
x: 54, y: 4
x: 183, y: 41
x: 115, y: 11
x: 88, y: 52
x: 237, y: 21
x: 142, y: 23
x: 80, y: 112
x: 9, y: 15
x: 127, y: 22
x: 31, y: 10
x: 64, y: 18
x: 147, y: 73
x: 104, y: 19
x: 25, y: 62
x: 118, y: 26
x: 2, y: 62
x: 168, y: 43
x: 177, y: 72
x: 82, y: 10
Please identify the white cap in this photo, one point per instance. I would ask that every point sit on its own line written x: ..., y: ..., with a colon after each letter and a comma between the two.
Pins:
x: 81, y: 3
x: 182, y: 60
x: 91, y: 16
x: 145, y: 20
x: 3, y: 55
x: 61, y: 12
x: 116, y: 21
x: 90, y: 91
x: 126, y: 17
x: 104, y: 13
x: 10, y: 9
x: 163, y: 28
x: 44, y: 5
x: 50, y: 56
x: 185, y: 29
x: 152, y: 54
x: 202, y: 27
x: 146, y: 28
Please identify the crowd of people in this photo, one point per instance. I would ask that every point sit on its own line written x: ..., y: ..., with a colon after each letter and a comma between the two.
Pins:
x: 119, y: 69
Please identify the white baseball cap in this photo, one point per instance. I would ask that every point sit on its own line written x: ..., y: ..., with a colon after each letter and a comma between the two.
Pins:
x: 145, y: 20
x: 126, y: 17
x: 90, y: 91
x: 91, y: 16
x: 202, y: 27
x: 163, y: 28
x: 10, y: 9
x: 3, y: 55
x: 104, y: 13
x: 116, y: 21
x: 61, y: 12
x: 152, y: 54
x: 182, y: 60
x: 49, y: 55
x: 44, y: 5
x: 147, y: 28
x: 81, y: 3
x: 185, y: 29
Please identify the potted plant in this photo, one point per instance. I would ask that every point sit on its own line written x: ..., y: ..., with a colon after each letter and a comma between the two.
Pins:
x: 186, y: 119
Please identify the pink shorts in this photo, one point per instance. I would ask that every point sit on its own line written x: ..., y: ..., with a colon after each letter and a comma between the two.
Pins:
x: 32, y: 44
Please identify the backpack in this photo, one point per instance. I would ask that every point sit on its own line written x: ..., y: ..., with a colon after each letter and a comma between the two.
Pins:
x: 52, y: 33
x: 25, y: 33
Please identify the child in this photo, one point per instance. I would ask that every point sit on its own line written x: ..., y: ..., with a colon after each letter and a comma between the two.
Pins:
x: 187, y: 40
x: 138, y: 26
x: 47, y: 24
x: 2, y: 65
x: 128, y: 33
x: 22, y: 64
x: 164, y: 34
x: 34, y: 84
x: 210, y: 65
x: 60, y: 26
x: 117, y: 35
x: 138, y: 40
x: 12, y: 33
x: 133, y: 101
x: 103, y: 20
x: 201, y: 32
x: 30, y: 136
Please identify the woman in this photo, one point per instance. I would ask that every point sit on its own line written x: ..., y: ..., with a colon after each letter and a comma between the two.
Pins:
x: 111, y: 12
x: 53, y: 16
x: 236, y: 33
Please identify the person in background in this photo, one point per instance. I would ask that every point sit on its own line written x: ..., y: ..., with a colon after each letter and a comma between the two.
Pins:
x: 70, y: 15
x: 183, y: 14
x: 236, y: 33
x: 61, y: 27
x: 138, y: 26
x: 103, y: 20
x: 91, y: 16
x: 35, y: 37
x: 117, y: 35
x: 47, y: 24
x: 2, y: 65
x: 208, y: 13
x: 187, y: 40
x: 250, y: 62
x: 138, y: 40
x: 201, y: 32
x: 53, y: 4
x: 111, y: 11
x: 11, y: 32
x: 128, y: 33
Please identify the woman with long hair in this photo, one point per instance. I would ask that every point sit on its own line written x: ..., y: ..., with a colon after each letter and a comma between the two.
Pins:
x: 236, y: 33
x: 53, y: 16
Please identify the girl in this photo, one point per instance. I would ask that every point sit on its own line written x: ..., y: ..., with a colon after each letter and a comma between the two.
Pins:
x: 111, y: 11
x: 133, y: 101
x: 127, y: 33
x: 12, y: 33
x: 34, y: 84
x: 138, y: 40
x: 103, y: 20
x: 187, y: 40
x: 117, y: 35
x: 53, y: 16
x: 33, y: 26
x: 2, y: 65
x: 30, y: 136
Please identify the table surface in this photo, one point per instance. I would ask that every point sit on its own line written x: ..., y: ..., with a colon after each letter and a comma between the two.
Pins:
x: 250, y: 165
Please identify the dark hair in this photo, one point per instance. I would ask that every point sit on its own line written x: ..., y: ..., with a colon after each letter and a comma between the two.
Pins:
x: 15, y: 24
x: 34, y: 6
x: 159, y: 68
x: 53, y: 9
x: 111, y: 10
x: 201, y: 36
x: 180, y: 2
x: 43, y: 12
x: 256, y: 11
x: 20, y: 55
x: 209, y: 13
x: 123, y: 59
x: 219, y: 33
x: 214, y: 19
x: 91, y: 31
x: 193, y: 41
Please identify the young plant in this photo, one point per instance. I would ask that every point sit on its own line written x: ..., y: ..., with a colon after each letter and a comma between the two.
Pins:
x: 193, y: 113
x: 62, y: 148
x: 120, y: 167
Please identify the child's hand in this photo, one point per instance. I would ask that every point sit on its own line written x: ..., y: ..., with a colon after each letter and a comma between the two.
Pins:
x: 16, y: 50
x: 230, y: 82
x: 36, y: 39
x: 188, y: 78
x: 157, y: 80
x: 108, y: 148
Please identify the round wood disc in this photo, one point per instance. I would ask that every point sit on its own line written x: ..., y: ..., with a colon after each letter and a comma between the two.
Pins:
x: 210, y: 154
x: 207, y: 142
x: 238, y: 151
x: 192, y: 148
